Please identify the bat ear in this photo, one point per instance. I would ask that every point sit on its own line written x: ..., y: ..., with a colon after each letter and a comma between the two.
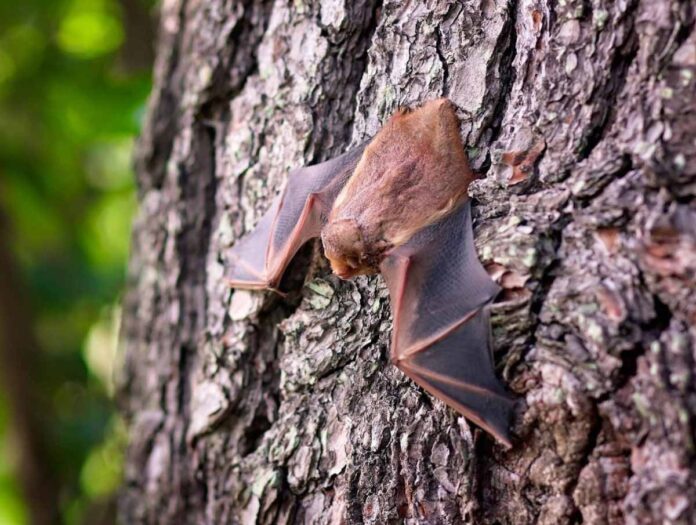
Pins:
x: 447, y: 116
x: 444, y: 104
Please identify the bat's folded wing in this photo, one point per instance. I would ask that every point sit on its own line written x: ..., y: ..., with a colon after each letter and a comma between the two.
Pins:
x: 259, y: 259
x: 440, y: 295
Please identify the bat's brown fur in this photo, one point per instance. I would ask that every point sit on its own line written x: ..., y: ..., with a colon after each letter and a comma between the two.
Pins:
x: 413, y: 172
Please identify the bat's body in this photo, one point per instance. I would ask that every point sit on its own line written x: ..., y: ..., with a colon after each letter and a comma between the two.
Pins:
x: 399, y: 206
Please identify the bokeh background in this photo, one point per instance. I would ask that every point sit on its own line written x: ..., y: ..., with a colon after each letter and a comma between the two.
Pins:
x: 74, y: 77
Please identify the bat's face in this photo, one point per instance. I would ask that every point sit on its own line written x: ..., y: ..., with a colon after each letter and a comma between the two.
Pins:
x: 414, y: 172
x: 349, y: 251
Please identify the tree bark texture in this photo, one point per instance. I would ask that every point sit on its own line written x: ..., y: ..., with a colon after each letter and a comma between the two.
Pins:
x: 249, y: 408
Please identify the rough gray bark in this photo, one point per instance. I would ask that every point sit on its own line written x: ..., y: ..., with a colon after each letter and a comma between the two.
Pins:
x: 245, y: 408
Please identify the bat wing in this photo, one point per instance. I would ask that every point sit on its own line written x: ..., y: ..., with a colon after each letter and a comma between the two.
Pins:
x: 259, y: 259
x: 440, y: 294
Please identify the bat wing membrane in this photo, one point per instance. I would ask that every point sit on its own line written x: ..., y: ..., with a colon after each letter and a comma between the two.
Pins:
x: 441, y: 339
x: 258, y: 260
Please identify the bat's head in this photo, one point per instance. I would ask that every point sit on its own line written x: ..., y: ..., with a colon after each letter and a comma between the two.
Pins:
x: 346, y: 248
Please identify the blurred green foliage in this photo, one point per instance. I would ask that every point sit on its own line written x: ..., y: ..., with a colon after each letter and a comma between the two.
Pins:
x: 69, y: 109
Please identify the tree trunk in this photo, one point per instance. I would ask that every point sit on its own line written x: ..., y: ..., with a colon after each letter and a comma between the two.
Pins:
x: 250, y: 408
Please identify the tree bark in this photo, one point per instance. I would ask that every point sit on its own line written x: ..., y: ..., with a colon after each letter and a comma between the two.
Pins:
x: 248, y: 408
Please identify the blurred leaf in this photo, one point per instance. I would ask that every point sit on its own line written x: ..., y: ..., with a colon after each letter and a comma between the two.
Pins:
x: 108, y: 230
x: 89, y: 32
x: 25, y: 44
x: 34, y: 221
x: 12, y: 509
x: 102, y: 472
x: 101, y: 345
x: 109, y: 165
x: 7, y: 66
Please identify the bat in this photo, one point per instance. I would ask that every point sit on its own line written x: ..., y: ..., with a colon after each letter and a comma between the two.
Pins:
x: 398, y: 205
